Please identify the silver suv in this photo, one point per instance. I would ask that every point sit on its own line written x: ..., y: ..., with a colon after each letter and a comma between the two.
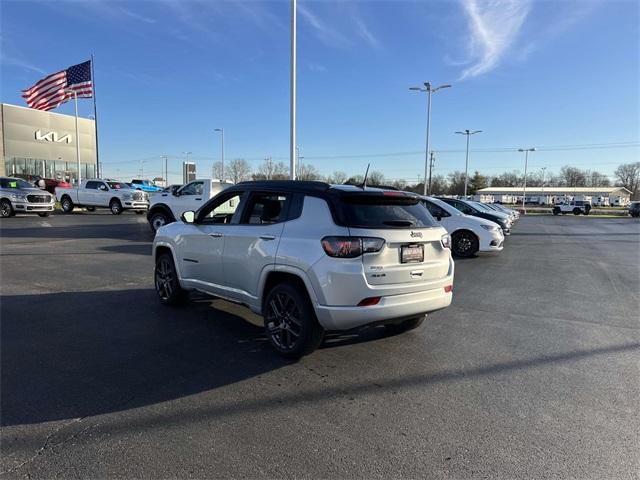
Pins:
x: 310, y: 257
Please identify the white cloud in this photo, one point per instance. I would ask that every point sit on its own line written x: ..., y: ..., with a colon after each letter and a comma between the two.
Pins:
x: 493, y: 28
x: 323, y: 31
x: 20, y: 63
x: 365, y: 33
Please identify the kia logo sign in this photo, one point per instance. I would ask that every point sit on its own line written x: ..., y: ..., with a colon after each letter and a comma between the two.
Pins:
x: 416, y: 234
x: 54, y: 137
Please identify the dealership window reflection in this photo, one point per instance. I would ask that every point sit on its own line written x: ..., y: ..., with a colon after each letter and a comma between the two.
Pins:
x: 56, y: 169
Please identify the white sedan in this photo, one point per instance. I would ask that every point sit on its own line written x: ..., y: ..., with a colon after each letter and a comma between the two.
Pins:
x: 469, y: 234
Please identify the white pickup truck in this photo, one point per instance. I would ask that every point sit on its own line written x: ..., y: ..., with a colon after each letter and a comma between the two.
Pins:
x: 166, y: 207
x: 98, y: 193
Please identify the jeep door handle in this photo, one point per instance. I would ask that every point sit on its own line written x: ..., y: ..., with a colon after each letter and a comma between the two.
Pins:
x: 215, y: 235
x: 268, y: 237
x: 198, y: 198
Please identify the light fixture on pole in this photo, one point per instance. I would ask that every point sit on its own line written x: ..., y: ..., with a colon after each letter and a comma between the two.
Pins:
x: 524, y: 186
x: 292, y: 99
x: 468, y: 133
x: 429, y: 90
x: 221, y: 130
x: 75, y: 100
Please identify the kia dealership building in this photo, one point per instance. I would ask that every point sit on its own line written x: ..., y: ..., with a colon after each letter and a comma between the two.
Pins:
x: 35, y: 142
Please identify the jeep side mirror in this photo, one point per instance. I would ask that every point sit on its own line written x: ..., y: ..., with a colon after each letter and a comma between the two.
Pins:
x: 188, y: 217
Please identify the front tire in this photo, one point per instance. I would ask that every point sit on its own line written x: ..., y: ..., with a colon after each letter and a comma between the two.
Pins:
x: 157, y: 220
x: 405, y: 326
x: 290, y: 322
x: 66, y: 204
x: 465, y: 244
x: 115, y: 206
x: 166, y: 281
x: 6, y: 210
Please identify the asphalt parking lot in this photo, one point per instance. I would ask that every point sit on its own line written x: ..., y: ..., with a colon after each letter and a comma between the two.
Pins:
x: 533, y: 372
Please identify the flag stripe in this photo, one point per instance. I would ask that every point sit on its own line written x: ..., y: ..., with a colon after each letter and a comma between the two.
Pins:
x: 44, y: 91
x: 39, y: 83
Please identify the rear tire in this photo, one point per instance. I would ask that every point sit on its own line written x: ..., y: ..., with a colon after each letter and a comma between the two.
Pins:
x: 6, y: 210
x: 576, y: 211
x: 44, y: 214
x: 405, y: 326
x: 465, y: 244
x: 166, y: 281
x: 115, y: 206
x: 290, y: 322
x: 66, y: 204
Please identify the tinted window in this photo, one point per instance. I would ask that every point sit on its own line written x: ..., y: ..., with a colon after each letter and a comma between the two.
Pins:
x: 91, y: 185
x: 265, y: 208
x: 14, y: 183
x: 435, y: 210
x: 193, y: 188
x: 382, y: 211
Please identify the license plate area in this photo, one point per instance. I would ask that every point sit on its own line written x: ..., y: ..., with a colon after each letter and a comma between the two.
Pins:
x: 411, y: 253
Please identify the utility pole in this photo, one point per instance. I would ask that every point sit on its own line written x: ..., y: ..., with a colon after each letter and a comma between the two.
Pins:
x: 166, y: 170
x: 430, y: 169
x: 524, y: 185
x: 468, y: 133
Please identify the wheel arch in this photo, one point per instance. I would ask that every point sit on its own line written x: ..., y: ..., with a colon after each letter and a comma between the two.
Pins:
x: 279, y: 274
x: 163, y: 247
x: 162, y: 208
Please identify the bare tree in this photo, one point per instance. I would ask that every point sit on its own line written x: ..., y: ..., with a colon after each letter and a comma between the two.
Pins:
x: 456, y: 183
x: 308, y: 172
x: 216, y: 171
x: 337, y: 178
x: 628, y: 176
x: 507, y: 179
x: 375, y: 178
x: 573, y: 177
x: 270, y: 170
x: 238, y: 170
x: 597, y: 179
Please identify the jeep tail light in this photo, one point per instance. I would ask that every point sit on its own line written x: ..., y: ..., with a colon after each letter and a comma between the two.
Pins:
x: 351, y: 247
x: 369, y: 301
x: 446, y: 241
x: 448, y: 288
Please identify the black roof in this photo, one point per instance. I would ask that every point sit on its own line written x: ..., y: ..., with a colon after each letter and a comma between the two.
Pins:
x: 290, y: 185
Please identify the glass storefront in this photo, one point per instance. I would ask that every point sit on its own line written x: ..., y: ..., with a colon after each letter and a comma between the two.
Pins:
x: 57, y: 169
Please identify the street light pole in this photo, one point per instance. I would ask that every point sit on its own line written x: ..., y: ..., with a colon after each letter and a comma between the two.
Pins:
x: 468, y: 133
x: 292, y: 106
x: 524, y: 186
x: 544, y: 170
x: 221, y: 130
x: 429, y: 90
x: 166, y: 170
x: 75, y: 100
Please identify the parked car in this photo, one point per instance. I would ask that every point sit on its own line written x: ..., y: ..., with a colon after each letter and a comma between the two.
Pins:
x: 19, y: 196
x: 48, y: 184
x: 574, y: 206
x: 469, y: 234
x: 102, y: 193
x: 310, y: 257
x: 634, y: 209
x: 514, y: 214
x: 166, y: 207
x: 472, y: 208
x: 145, y: 185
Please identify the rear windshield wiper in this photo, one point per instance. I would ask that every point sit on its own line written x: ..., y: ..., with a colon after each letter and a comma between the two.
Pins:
x: 398, y: 223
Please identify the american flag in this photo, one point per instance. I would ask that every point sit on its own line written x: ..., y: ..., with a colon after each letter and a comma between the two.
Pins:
x: 50, y: 92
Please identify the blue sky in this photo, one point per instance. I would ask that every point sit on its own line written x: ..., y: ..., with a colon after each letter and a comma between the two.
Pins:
x: 168, y: 73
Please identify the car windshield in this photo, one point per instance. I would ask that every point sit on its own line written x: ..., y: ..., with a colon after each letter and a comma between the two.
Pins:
x: 118, y: 185
x: 15, y: 183
x: 480, y: 206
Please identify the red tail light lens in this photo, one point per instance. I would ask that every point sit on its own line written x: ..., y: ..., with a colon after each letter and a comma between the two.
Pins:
x: 448, y: 288
x: 367, y: 302
x: 351, y: 247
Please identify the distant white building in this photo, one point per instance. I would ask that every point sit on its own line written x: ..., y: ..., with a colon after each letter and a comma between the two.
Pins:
x: 605, y: 196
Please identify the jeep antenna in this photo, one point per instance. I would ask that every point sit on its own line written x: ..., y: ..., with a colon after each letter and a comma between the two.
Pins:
x: 366, y: 174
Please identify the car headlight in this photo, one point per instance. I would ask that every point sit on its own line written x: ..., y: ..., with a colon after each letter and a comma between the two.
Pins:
x: 491, y: 228
x: 19, y: 198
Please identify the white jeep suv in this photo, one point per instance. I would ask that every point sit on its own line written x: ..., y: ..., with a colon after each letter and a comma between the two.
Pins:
x: 310, y: 257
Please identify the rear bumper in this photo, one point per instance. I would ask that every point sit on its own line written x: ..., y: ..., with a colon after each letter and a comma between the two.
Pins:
x: 389, y: 308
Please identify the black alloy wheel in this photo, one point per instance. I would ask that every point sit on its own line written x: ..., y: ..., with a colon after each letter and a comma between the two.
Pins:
x: 166, y: 281
x: 290, y: 322
x: 465, y: 244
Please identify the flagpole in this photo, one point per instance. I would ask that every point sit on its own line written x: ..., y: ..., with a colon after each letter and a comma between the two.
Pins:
x: 75, y: 99
x: 95, y: 118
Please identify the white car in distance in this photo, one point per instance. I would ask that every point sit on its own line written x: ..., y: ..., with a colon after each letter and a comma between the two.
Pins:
x: 469, y: 234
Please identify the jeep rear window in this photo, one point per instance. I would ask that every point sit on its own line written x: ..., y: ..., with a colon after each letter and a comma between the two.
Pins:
x: 382, y: 211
